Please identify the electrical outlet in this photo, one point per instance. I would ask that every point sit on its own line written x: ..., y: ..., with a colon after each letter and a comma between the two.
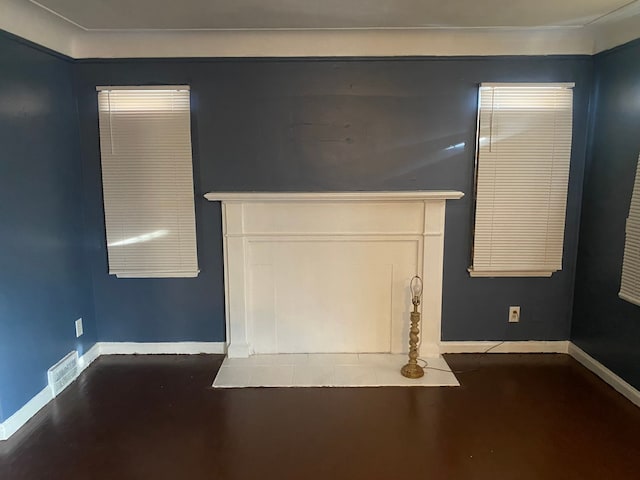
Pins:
x: 514, y: 314
x: 79, y: 330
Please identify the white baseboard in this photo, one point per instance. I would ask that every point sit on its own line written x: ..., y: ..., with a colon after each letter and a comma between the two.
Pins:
x: 12, y: 424
x: 533, y: 346
x: 173, y: 348
x: 621, y: 386
x: 33, y: 406
x: 89, y: 357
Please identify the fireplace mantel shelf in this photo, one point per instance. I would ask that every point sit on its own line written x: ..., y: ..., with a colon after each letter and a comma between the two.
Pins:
x: 387, y: 196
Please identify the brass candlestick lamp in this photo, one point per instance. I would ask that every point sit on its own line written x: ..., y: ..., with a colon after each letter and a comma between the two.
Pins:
x: 412, y: 369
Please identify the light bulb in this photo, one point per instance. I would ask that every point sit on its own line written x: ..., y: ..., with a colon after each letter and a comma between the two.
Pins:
x: 416, y: 287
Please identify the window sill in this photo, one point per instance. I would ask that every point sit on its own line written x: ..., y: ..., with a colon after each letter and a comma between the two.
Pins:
x: 190, y: 274
x: 509, y: 273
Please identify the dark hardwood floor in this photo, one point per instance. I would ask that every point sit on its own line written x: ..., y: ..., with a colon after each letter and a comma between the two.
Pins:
x: 156, y: 417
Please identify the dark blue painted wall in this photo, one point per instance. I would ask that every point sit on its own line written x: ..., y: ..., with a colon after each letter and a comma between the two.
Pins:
x: 330, y: 125
x: 44, y: 283
x: 605, y: 326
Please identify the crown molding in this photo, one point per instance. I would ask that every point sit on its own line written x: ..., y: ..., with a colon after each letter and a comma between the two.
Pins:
x: 626, y: 11
x: 331, y: 43
x: 33, y: 22
x: 28, y: 21
x: 614, y: 32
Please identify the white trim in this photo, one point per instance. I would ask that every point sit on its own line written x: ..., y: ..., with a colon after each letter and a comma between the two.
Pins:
x: 150, y: 274
x: 332, y: 43
x: 89, y: 357
x: 160, y: 348
x: 225, y: 273
x: 107, y: 88
x: 546, y: 85
x: 249, y: 218
x: 12, y: 424
x: 511, y: 273
x: 387, y: 196
x: 617, y: 383
x: 626, y: 11
x: 33, y: 406
x: 59, y: 15
x: 527, y: 346
x: 610, y: 34
x: 37, y: 25
x: 239, y: 350
x: 46, y: 27
x: 563, y: 346
x: 432, y: 256
x: 337, y: 236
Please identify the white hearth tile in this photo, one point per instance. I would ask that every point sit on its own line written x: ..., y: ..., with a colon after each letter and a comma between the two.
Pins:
x: 271, y: 376
x: 381, y: 359
x: 239, y: 362
x: 333, y: 359
x: 232, y: 376
x: 268, y: 359
x: 287, y: 358
x: 255, y: 360
x: 329, y: 370
x: 313, y: 375
x: 355, y: 375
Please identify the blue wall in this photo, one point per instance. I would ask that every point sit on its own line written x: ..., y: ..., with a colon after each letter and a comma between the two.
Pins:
x: 605, y: 326
x: 299, y: 124
x: 44, y: 283
x: 348, y: 124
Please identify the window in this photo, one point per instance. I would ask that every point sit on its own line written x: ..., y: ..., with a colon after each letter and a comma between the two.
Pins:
x: 522, y: 175
x: 630, y: 284
x: 147, y: 181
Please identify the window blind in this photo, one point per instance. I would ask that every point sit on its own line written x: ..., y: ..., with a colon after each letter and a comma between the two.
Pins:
x: 522, y: 176
x: 147, y: 181
x: 630, y: 284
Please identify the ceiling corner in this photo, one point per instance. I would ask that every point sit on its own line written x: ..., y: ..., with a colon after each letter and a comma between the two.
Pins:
x: 610, y: 34
x: 37, y: 25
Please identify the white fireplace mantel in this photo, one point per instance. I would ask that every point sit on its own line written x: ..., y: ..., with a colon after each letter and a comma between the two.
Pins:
x: 314, y: 272
x: 400, y: 196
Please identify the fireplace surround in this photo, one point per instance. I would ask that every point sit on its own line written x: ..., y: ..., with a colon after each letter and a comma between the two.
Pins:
x: 329, y: 272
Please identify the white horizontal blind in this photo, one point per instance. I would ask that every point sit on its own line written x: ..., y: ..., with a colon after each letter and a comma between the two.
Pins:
x: 630, y: 285
x: 147, y: 181
x: 523, y: 153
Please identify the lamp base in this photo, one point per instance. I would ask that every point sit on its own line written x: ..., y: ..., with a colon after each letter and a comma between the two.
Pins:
x: 412, y: 370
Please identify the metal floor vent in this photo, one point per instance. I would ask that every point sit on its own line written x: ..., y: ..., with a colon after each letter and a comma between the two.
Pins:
x: 63, y: 373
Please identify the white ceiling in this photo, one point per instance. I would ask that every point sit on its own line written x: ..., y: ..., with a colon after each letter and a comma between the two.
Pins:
x: 326, y: 14
x: 321, y: 28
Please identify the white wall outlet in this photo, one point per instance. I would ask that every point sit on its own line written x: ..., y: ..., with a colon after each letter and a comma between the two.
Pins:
x: 514, y: 314
x: 79, y: 330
